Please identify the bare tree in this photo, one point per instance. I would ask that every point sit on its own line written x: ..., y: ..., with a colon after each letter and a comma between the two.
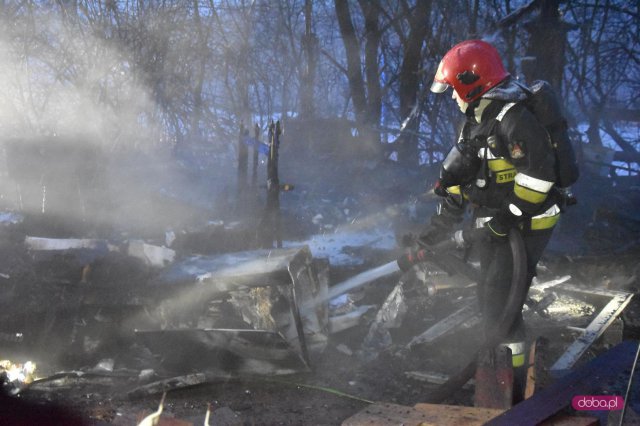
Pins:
x: 308, y: 73
x: 191, y: 72
x: 409, y: 81
x: 603, y: 65
x: 366, y: 105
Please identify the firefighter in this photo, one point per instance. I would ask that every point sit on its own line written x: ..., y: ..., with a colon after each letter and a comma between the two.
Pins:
x: 503, y: 166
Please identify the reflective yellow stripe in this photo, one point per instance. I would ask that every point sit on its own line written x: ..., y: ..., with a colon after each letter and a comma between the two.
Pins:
x: 505, y: 176
x: 529, y: 195
x: 517, y: 360
x: 544, y: 222
x: 499, y: 164
x: 455, y: 190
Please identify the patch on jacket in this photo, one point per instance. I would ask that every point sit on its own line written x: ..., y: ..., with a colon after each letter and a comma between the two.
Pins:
x: 516, y: 151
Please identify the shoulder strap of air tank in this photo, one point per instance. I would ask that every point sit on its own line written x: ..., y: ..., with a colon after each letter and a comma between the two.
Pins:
x: 504, y: 110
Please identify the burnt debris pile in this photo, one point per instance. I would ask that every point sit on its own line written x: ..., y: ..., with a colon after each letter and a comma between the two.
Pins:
x: 125, y: 296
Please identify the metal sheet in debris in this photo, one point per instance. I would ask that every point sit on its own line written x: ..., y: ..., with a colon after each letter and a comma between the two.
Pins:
x: 59, y: 244
x: 246, y: 265
x: 266, y: 289
x: 233, y: 351
x: 444, y: 326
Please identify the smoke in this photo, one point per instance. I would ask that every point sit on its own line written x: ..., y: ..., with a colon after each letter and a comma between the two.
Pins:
x: 83, y: 136
x: 58, y: 79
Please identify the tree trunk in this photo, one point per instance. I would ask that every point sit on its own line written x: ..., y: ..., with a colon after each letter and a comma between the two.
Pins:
x: 371, y: 69
x: 409, y: 82
x: 548, y: 34
x: 366, y: 122
x: 307, y: 80
x: 196, y: 114
x: 352, y: 47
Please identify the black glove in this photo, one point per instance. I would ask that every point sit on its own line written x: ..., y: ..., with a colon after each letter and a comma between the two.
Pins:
x: 439, y: 189
x: 407, y: 240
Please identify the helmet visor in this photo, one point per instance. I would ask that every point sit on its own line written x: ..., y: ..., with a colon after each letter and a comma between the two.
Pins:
x: 439, y: 84
x: 438, y: 87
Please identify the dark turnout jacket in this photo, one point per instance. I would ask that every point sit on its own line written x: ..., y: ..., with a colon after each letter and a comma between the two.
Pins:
x: 515, y: 168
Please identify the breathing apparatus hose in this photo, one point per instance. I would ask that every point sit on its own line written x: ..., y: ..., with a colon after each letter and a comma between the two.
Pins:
x: 517, y: 294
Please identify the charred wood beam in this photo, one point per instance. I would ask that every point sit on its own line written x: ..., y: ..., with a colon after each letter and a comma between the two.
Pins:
x: 447, y: 324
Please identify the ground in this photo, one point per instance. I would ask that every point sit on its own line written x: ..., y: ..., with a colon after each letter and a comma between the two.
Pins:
x: 39, y: 297
x: 339, y: 385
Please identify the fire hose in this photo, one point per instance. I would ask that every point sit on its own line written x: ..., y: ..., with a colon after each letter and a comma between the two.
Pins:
x: 440, y: 254
x: 513, y: 306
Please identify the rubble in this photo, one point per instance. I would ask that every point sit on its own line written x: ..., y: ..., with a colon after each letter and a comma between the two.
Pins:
x: 155, y: 256
x: 618, y: 301
x: 225, y: 352
x: 225, y: 416
x: 435, y: 378
x: 540, y: 307
x: 237, y: 311
x: 468, y: 313
x: 62, y: 244
x: 154, y: 418
x: 272, y: 291
x: 165, y: 385
x: 338, y: 323
x: 390, y: 315
x: 192, y: 317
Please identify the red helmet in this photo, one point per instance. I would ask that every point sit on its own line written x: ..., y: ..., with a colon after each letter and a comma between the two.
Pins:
x: 471, y: 67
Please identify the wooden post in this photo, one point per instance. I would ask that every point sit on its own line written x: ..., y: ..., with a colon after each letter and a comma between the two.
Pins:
x: 537, y: 375
x: 243, y: 163
x: 494, y: 379
x: 254, y: 174
x: 270, y: 225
